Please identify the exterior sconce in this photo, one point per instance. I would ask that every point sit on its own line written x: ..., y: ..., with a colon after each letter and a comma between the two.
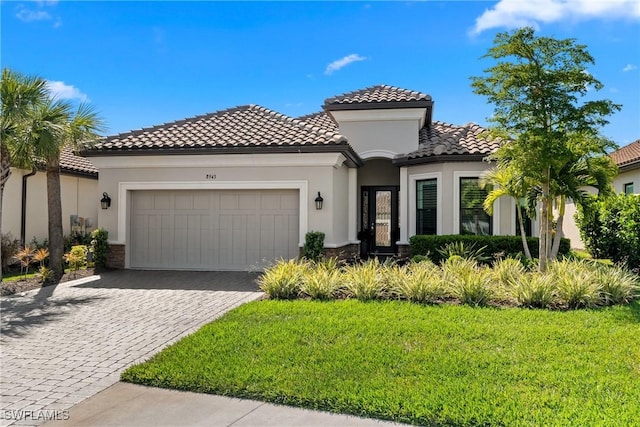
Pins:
x: 319, y: 200
x: 105, y: 202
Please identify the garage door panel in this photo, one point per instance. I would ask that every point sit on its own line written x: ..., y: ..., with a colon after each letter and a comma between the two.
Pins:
x: 219, y: 229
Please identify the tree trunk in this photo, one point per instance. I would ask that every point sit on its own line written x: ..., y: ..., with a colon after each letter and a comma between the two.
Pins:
x: 5, y: 172
x: 523, y: 234
x: 559, y: 231
x: 543, y: 247
x: 54, y: 202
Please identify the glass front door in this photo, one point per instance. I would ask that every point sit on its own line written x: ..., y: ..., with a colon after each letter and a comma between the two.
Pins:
x: 379, y: 222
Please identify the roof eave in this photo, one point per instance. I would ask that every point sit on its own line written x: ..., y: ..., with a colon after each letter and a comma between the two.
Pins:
x: 629, y: 166
x: 353, y: 160
x: 442, y: 158
x: 378, y: 105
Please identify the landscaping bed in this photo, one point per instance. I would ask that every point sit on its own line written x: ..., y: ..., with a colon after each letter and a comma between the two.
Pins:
x: 15, y: 285
x: 429, y: 365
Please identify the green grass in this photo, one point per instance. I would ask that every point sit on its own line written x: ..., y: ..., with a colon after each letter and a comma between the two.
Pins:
x: 429, y: 365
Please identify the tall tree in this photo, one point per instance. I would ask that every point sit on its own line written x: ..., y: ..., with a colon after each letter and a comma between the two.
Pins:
x: 17, y: 93
x: 536, y: 86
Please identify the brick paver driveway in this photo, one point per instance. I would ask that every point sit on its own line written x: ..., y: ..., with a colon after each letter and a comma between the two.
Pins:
x: 63, y: 344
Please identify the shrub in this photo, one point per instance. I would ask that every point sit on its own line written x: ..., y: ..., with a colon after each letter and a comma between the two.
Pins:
x: 577, y: 283
x: 25, y: 257
x: 533, y: 290
x: 76, y: 239
x: 283, y: 279
x: 618, y: 286
x: 76, y: 257
x: 507, y: 246
x: 365, y: 281
x: 468, y: 282
x: 458, y: 248
x: 420, y: 282
x: 10, y: 247
x: 313, y: 245
x: 44, y: 274
x: 610, y: 228
x: 507, y: 271
x: 40, y: 256
x: 100, y: 247
x: 321, y: 281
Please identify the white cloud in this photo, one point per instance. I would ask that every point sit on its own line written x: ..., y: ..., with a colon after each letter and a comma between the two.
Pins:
x: 39, y: 13
x: 26, y: 15
x: 630, y: 67
x: 64, y: 91
x: 343, y: 62
x: 517, y: 13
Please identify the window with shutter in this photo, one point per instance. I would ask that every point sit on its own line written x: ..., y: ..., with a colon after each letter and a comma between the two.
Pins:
x: 473, y: 218
x: 426, y: 203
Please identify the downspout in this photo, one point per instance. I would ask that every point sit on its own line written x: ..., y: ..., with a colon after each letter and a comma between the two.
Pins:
x: 23, y: 217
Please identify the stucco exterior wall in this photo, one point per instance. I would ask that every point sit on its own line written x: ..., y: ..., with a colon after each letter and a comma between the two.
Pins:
x: 79, y: 195
x: 312, y: 172
x: 381, y: 133
x: 448, y: 176
x: 626, y: 177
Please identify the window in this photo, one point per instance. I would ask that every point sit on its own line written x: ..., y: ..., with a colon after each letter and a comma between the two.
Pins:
x: 525, y: 220
x: 628, y: 188
x: 473, y: 218
x: 426, y: 204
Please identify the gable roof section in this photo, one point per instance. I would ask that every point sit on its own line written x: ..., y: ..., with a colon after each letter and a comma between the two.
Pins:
x: 244, y: 129
x: 379, y: 96
x: 627, y: 157
x: 446, y: 142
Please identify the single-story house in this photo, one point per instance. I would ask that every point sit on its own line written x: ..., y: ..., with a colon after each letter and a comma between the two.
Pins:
x: 628, y: 182
x: 24, y: 209
x: 238, y: 188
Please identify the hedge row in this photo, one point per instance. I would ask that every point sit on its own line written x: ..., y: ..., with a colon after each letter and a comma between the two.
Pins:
x: 506, y: 245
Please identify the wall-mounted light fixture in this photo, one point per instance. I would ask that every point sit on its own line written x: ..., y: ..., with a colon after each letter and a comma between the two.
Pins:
x: 105, y: 202
x: 319, y: 201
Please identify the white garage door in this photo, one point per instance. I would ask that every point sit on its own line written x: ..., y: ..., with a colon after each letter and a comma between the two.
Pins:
x: 213, y: 230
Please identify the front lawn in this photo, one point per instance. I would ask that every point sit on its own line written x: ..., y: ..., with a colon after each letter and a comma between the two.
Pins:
x: 429, y: 365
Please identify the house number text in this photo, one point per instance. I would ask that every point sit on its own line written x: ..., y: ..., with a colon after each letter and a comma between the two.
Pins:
x: 210, y: 176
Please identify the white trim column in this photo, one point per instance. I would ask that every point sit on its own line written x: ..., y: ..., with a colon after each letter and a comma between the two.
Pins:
x: 352, y: 217
x: 404, y: 207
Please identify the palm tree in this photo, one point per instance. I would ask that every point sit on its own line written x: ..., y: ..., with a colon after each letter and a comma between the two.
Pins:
x: 17, y: 93
x: 506, y: 181
x: 569, y: 182
x: 53, y: 125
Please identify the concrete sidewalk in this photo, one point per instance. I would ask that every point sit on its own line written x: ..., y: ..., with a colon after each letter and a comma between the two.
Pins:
x: 125, y: 404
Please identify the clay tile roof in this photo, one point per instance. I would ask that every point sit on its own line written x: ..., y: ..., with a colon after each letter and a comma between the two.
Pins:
x: 249, y: 126
x: 447, y: 139
x: 379, y: 94
x: 71, y: 163
x: 321, y: 120
x: 627, y: 155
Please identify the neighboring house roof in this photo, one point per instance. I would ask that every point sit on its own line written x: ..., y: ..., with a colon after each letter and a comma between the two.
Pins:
x: 446, y: 142
x: 71, y: 163
x: 235, y: 130
x: 627, y: 157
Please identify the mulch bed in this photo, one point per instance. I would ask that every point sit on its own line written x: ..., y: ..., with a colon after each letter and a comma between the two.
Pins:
x: 17, y: 286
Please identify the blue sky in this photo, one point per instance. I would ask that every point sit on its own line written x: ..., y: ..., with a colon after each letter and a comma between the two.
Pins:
x: 146, y: 63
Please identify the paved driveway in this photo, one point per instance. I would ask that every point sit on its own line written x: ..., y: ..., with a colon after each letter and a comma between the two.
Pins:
x: 60, y: 345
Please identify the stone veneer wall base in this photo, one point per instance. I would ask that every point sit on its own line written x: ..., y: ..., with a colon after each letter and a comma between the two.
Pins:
x: 115, y: 256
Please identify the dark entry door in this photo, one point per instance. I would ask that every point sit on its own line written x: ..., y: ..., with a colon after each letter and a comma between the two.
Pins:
x: 379, y: 221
